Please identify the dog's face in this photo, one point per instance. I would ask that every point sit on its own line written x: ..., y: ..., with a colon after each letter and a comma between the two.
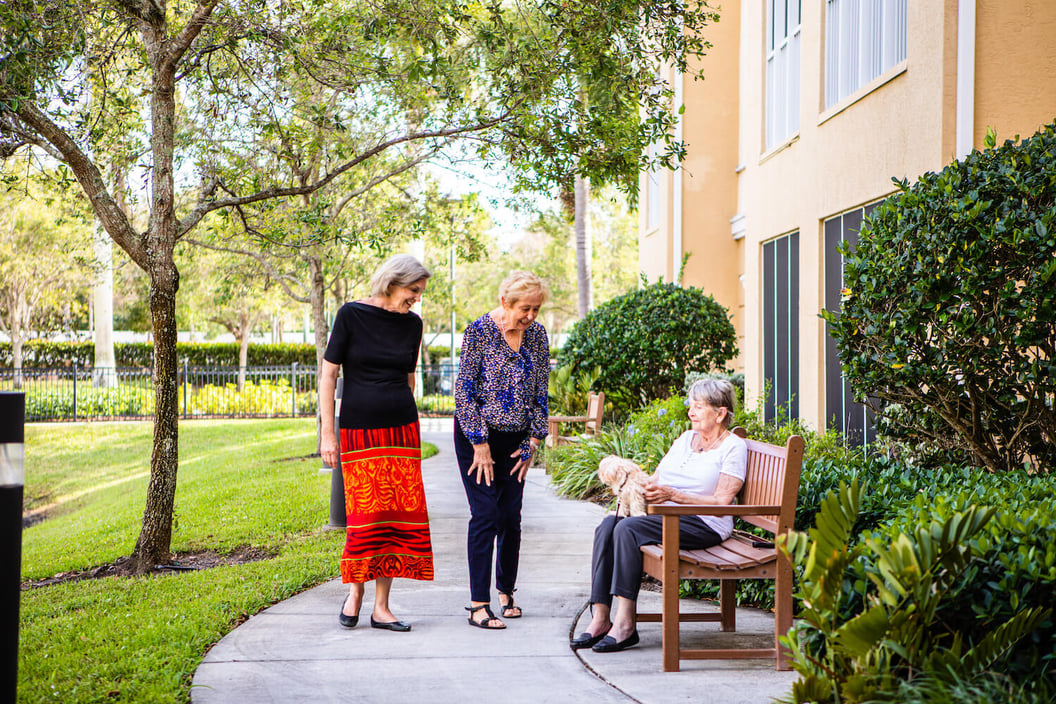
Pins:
x: 612, y: 473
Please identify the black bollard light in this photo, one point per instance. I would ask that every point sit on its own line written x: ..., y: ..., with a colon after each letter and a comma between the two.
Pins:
x: 337, y: 480
x: 12, y: 480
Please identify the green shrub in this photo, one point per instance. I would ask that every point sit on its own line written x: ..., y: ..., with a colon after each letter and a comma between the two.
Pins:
x: 45, y: 354
x: 437, y: 404
x: 895, y: 605
x: 58, y: 403
x: 949, y: 302
x: 646, y: 341
x: 568, y: 392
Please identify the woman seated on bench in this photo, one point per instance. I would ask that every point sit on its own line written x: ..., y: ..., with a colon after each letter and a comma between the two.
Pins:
x: 705, y: 466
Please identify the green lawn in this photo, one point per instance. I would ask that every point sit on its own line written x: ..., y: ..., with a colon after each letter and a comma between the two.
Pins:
x: 241, y: 482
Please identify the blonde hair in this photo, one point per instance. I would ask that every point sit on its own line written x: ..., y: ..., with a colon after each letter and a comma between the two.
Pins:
x: 397, y: 270
x: 520, y: 284
x: 717, y: 393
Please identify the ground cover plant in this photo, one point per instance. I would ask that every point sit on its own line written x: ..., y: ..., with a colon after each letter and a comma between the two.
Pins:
x: 948, y: 595
x: 245, y: 487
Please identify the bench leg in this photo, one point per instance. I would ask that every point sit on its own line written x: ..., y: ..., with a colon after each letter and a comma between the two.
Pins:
x: 782, y: 610
x: 669, y: 626
x: 728, y: 604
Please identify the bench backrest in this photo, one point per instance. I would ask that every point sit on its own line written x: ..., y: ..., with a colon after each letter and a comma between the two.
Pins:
x: 595, y: 410
x: 772, y: 479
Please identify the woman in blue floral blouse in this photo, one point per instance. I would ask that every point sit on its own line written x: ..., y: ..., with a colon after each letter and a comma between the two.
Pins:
x: 500, y: 420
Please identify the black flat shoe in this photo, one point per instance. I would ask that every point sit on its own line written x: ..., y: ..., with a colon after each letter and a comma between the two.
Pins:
x: 608, y: 644
x: 398, y: 626
x: 346, y: 620
x: 585, y: 640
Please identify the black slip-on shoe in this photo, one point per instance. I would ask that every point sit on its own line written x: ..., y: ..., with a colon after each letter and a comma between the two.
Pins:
x: 585, y: 640
x: 398, y: 626
x: 608, y: 644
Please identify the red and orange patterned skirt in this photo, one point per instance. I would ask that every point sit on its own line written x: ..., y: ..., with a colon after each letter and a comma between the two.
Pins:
x: 388, y: 524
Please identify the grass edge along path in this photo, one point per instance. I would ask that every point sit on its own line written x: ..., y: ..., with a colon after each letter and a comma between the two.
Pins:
x: 137, y: 639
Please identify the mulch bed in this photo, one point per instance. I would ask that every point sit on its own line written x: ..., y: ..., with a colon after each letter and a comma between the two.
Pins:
x: 180, y: 562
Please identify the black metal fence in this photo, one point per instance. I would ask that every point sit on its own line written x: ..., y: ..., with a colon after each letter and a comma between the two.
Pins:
x: 127, y: 393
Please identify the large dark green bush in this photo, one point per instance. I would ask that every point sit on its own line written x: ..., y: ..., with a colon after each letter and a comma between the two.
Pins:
x: 44, y: 354
x: 950, y: 302
x: 646, y: 341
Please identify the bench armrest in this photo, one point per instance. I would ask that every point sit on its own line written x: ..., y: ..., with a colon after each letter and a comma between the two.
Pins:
x: 672, y: 509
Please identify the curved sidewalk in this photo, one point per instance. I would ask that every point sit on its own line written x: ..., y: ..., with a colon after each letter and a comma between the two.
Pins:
x: 296, y: 651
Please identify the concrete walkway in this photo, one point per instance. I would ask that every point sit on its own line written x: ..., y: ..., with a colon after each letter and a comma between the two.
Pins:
x: 297, y: 652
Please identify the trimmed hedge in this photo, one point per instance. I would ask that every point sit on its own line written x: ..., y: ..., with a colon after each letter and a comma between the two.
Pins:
x: 646, y: 341
x: 45, y: 354
x: 265, y: 398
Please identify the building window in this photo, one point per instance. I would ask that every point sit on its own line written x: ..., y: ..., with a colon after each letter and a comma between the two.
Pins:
x: 782, y: 70
x: 781, y: 327
x: 854, y: 420
x: 863, y: 39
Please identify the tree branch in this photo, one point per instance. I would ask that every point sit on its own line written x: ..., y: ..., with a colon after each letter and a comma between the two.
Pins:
x: 87, y: 173
x: 181, y: 43
x: 195, y: 216
x: 279, y: 276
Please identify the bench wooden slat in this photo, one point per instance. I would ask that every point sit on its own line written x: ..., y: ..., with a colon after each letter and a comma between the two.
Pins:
x: 768, y: 501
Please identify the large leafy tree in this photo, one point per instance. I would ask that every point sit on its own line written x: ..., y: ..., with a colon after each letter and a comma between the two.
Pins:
x: 424, y: 71
x: 43, y: 261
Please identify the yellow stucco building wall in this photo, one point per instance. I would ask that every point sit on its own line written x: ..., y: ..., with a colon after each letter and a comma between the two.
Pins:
x: 735, y: 193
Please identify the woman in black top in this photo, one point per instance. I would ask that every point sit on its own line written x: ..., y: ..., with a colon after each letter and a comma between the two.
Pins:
x: 375, y: 341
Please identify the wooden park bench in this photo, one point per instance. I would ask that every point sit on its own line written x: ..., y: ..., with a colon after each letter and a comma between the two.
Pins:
x: 591, y: 421
x: 768, y: 501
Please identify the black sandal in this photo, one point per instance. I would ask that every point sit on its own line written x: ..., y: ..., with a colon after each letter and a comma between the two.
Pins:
x: 510, y: 606
x: 483, y: 623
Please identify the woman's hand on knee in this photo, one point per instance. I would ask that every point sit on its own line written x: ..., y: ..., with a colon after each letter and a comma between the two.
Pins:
x: 483, y: 465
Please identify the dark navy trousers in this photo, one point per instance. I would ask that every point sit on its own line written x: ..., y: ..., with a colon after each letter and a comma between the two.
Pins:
x: 616, y: 563
x: 495, y: 514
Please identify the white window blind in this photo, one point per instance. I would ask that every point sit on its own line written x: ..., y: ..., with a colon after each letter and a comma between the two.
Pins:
x: 782, y: 70
x: 863, y: 39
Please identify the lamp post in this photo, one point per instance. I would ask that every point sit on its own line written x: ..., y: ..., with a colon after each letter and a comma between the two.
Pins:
x: 337, y: 479
x: 12, y: 480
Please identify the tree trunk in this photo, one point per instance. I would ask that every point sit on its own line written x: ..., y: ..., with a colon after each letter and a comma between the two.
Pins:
x: 583, y: 253
x: 243, y: 350
x: 16, y: 357
x: 155, y: 537
x: 104, y: 371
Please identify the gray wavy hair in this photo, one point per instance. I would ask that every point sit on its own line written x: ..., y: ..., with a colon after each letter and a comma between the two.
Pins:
x: 717, y: 393
x: 397, y: 270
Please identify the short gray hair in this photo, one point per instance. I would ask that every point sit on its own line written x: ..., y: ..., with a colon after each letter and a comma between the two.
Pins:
x: 398, y: 270
x: 520, y: 284
x: 717, y: 393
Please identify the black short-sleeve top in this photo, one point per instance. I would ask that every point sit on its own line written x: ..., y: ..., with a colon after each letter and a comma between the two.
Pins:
x: 376, y: 349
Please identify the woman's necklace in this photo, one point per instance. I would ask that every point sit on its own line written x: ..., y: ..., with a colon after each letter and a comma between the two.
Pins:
x: 704, y: 444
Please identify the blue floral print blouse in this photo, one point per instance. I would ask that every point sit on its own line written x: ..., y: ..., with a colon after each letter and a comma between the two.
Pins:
x: 501, y: 388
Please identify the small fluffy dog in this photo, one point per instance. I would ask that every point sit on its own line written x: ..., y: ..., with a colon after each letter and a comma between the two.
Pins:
x: 627, y: 481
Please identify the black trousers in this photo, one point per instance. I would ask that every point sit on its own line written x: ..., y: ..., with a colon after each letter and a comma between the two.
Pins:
x: 616, y: 563
x: 495, y: 514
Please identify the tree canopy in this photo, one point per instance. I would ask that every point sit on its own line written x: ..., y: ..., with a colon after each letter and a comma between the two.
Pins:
x: 254, y: 100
